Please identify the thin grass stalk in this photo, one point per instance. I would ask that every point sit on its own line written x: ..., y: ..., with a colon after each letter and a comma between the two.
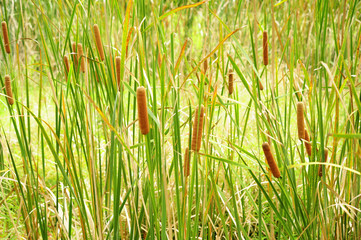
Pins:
x: 308, y: 145
x: 75, y: 55
x: 320, y: 173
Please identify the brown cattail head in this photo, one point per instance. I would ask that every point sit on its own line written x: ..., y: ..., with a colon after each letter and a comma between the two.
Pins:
x: 270, y: 160
x: 197, y: 129
x: 265, y: 48
x: 205, y: 66
x: 308, y: 144
x: 98, y: 42
x: 142, y: 110
x: 6, y: 36
x: 75, y: 56
x: 117, y: 68
x: 81, y: 57
x: 320, y: 167
x: 300, y: 120
x: 8, y: 90
x: 67, y: 67
x: 186, y: 163
x: 230, y: 81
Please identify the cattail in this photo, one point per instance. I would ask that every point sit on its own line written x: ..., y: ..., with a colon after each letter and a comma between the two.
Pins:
x: 308, y: 144
x: 205, y: 66
x: 142, y: 110
x: 8, y: 90
x: 67, y: 67
x: 98, y: 42
x: 81, y: 57
x: 6, y: 36
x: 300, y: 121
x: 270, y: 160
x: 230, y: 82
x: 75, y: 57
x: 320, y: 167
x: 117, y: 68
x: 186, y: 163
x: 197, y: 130
x: 260, y: 85
x: 265, y: 48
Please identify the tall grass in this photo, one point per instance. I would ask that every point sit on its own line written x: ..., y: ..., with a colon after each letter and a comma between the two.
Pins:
x: 81, y: 157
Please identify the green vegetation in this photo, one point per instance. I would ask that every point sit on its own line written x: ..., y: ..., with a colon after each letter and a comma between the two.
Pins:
x: 75, y: 165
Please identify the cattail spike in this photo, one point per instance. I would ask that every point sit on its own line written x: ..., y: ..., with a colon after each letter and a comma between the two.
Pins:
x: 98, y: 42
x: 75, y: 55
x: 142, y: 110
x: 67, y: 66
x: 230, y: 81
x: 265, y: 48
x: 197, y: 129
x: 300, y: 120
x: 117, y: 68
x: 308, y: 144
x: 320, y: 167
x: 8, y: 90
x: 205, y: 66
x: 81, y: 57
x: 270, y: 160
x: 6, y: 36
x: 186, y: 163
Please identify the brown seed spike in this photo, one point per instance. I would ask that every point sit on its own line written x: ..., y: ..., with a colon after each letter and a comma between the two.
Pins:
x: 186, y: 163
x: 142, y: 110
x: 81, y: 57
x: 67, y: 67
x: 6, y: 36
x: 98, y: 42
x: 75, y: 57
x: 230, y: 82
x: 300, y: 120
x: 8, y: 90
x: 205, y: 66
x: 265, y: 48
x: 270, y: 160
x: 320, y: 167
x: 308, y: 144
x: 117, y: 68
x: 197, y: 129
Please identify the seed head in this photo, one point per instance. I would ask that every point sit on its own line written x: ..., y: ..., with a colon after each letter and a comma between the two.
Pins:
x: 6, y: 36
x: 270, y: 160
x: 142, y: 110
x: 197, y: 129
x: 300, y: 120
x: 98, y: 42
x: 8, y: 90
x: 265, y: 48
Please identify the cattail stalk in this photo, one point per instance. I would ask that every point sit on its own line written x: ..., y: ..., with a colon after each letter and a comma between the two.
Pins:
x: 8, y: 90
x: 142, y: 110
x: 265, y: 48
x: 67, y: 66
x: 75, y: 55
x: 117, y: 69
x: 81, y: 57
x: 308, y: 144
x: 320, y: 167
x: 270, y: 160
x: 98, y: 42
x: 197, y: 129
x: 6, y: 36
x: 300, y: 120
x: 230, y: 81
x: 96, y: 72
x: 186, y: 163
